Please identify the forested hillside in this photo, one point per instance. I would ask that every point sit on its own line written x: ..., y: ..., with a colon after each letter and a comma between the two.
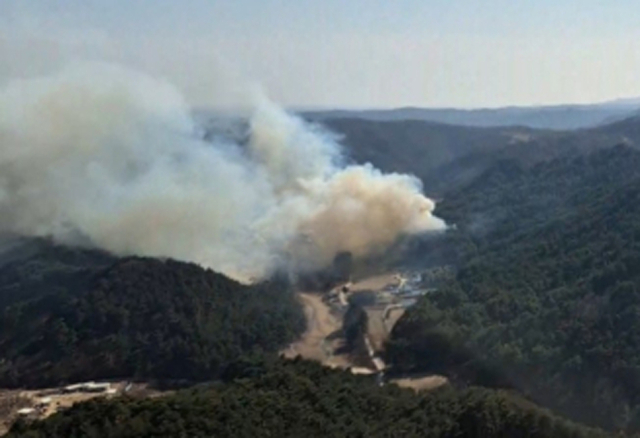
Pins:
x: 71, y: 315
x: 303, y: 399
x: 547, y: 292
x: 447, y: 157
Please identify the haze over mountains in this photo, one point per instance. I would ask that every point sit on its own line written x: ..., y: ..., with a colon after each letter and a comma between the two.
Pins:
x: 558, y: 117
x: 446, y: 147
x: 445, y: 156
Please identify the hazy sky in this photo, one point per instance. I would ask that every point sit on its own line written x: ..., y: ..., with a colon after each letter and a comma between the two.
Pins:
x: 344, y: 53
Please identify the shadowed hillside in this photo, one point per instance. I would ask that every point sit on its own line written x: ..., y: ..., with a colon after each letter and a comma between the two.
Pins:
x: 72, y: 315
x: 446, y: 157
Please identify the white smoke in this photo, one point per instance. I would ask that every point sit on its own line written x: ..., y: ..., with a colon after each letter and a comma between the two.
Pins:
x: 99, y: 155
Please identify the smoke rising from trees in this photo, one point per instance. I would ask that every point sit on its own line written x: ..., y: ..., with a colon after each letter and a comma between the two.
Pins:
x: 97, y: 155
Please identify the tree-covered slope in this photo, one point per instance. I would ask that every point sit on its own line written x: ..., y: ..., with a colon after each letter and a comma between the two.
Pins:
x: 303, y: 399
x: 448, y: 156
x: 133, y: 317
x: 547, y: 293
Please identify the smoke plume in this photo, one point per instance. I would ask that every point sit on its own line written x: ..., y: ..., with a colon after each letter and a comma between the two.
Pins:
x: 100, y: 156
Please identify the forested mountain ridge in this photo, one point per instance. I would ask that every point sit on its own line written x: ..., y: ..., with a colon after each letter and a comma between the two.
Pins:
x: 446, y: 157
x: 547, y: 289
x: 559, y: 117
x: 304, y: 399
x: 440, y: 155
x: 133, y: 318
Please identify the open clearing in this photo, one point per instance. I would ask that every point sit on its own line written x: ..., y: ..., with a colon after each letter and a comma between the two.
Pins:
x: 375, y: 283
x: 324, y: 320
x: 421, y: 383
x: 13, y: 400
x: 321, y: 324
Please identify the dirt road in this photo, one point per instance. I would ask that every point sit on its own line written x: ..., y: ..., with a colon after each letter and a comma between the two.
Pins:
x: 321, y: 324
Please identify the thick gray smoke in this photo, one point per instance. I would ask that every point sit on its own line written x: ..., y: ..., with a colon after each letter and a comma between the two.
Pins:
x: 102, y: 156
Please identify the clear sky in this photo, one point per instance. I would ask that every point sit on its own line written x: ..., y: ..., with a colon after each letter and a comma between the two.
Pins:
x: 344, y: 53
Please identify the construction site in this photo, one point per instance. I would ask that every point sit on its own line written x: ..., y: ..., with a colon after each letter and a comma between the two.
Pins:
x: 383, y: 299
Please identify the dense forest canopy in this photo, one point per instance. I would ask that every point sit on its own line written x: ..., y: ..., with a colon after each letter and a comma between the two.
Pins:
x: 546, y: 296
x: 303, y: 399
x: 72, y: 315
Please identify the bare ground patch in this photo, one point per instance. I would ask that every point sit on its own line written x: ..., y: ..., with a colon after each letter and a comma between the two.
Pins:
x: 421, y: 383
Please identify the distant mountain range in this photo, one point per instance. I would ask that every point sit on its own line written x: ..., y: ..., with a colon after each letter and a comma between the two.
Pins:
x: 444, y: 156
x: 558, y: 117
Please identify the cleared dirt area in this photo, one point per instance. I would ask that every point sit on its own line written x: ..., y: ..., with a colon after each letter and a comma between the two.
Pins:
x: 421, y: 383
x: 392, y: 315
x: 374, y: 283
x: 11, y: 401
x: 324, y: 321
x: 321, y: 324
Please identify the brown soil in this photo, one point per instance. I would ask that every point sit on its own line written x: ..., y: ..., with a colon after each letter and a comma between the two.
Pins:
x: 375, y: 283
x: 321, y: 323
x: 393, y: 316
x: 376, y: 329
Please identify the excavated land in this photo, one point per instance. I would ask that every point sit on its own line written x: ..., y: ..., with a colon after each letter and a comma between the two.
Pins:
x: 322, y: 325
x: 322, y: 339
